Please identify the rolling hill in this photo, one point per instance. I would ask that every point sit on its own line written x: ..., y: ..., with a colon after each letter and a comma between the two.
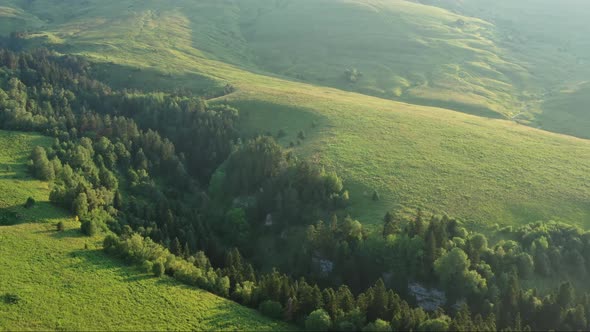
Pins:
x: 479, y: 168
x: 65, y: 282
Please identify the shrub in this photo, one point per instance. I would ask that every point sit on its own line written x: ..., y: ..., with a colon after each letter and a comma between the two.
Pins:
x: 301, y: 135
x: 147, y: 266
x: 89, y: 227
x: 271, y: 309
x: 158, y: 269
x: 243, y: 292
x: 352, y: 75
x: 61, y: 226
x: 319, y: 320
x: 378, y: 326
x: 434, y: 325
x: 30, y: 203
x: 110, y: 242
x: 10, y: 298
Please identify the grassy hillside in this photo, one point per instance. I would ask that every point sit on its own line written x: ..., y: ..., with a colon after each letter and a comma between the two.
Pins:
x: 404, y: 50
x: 549, y: 38
x: 63, y: 285
x: 479, y: 169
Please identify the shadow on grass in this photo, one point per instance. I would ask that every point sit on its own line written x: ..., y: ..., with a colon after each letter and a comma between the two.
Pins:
x: 151, y: 80
x: 11, y: 177
x: 455, y: 106
x: 97, y: 259
x: 68, y: 233
x: 39, y: 212
x: 263, y: 117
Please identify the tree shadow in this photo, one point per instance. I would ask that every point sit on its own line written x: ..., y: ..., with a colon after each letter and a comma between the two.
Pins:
x: 9, y: 171
x: 97, y: 259
x: 40, y: 212
x: 122, y: 77
x: 72, y: 233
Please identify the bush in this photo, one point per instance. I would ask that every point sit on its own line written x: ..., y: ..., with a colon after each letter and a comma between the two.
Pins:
x: 89, y: 227
x: 110, y: 242
x: 61, y: 226
x: 352, y: 75
x: 158, y: 269
x: 10, y: 298
x: 301, y: 135
x: 271, y: 309
x: 434, y: 325
x: 147, y: 266
x: 319, y: 320
x: 30, y: 203
x: 378, y: 326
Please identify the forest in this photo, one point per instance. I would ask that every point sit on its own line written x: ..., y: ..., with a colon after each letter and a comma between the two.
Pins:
x: 179, y: 190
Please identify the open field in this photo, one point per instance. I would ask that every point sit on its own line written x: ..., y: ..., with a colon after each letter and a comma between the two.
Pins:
x: 65, y: 282
x: 480, y: 169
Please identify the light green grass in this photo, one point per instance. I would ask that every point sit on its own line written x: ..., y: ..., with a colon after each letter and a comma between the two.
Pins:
x: 479, y: 169
x: 64, y: 286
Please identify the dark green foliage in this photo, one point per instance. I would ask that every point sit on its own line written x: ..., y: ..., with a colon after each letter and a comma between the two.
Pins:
x: 41, y: 166
x: 158, y: 269
x: 30, y: 203
x: 272, y: 309
x: 89, y: 227
x: 61, y: 226
x: 80, y: 205
x: 11, y: 298
x: 301, y: 135
x: 290, y: 190
x: 110, y: 243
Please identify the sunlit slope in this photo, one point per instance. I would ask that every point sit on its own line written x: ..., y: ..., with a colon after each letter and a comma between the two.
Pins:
x: 405, y: 51
x: 476, y: 168
x: 550, y: 39
x: 63, y: 286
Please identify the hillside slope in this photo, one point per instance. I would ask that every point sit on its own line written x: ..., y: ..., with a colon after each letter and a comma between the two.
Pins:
x: 479, y: 169
x: 404, y: 51
x: 65, y: 286
x: 549, y: 38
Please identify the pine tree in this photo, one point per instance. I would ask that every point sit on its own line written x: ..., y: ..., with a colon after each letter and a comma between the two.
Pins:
x: 176, y: 247
x: 345, y: 298
x: 379, y: 301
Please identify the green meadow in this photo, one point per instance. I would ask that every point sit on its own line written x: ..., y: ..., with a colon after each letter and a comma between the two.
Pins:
x: 65, y: 282
x: 287, y: 59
